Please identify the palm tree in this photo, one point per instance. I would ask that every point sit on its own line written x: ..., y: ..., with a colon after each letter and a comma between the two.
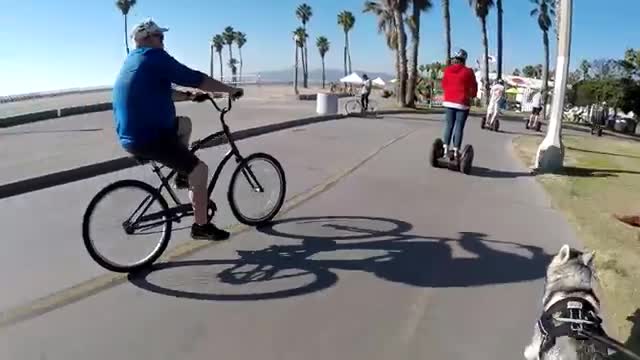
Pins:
x: 541, y: 12
x: 241, y: 39
x: 300, y: 36
x: 447, y: 29
x: 304, y: 13
x: 499, y: 60
x: 516, y: 72
x: 218, y: 44
x: 125, y: 6
x: 323, y: 47
x: 229, y: 36
x: 386, y: 11
x: 481, y: 9
x: 414, y: 26
x: 347, y: 21
x: 584, y: 69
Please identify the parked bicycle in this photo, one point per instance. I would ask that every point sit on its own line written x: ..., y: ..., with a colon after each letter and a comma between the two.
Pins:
x: 243, y: 178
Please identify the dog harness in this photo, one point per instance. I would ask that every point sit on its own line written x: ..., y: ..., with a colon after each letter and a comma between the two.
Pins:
x: 571, y: 317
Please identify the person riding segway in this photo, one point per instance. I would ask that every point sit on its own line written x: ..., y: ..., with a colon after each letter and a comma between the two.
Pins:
x: 490, y: 121
x: 459, y: 85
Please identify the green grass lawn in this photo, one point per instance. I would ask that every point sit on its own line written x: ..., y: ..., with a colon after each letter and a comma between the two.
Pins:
x: 602, y: 177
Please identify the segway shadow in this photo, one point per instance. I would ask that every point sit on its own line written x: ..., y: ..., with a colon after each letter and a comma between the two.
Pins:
x: 439, y: 160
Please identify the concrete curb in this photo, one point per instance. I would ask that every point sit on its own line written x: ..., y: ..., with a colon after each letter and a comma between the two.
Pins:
x: 88, y: 171
x: 55, y: 113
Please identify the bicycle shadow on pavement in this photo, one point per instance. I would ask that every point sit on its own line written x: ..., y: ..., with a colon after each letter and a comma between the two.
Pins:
x: 350, y: 243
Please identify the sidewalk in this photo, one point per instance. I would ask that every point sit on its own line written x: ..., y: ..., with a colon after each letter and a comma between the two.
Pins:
x: 49, y: 146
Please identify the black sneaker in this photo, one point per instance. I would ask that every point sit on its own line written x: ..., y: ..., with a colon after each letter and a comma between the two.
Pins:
x: 181, y: 181
x: 208, y: 232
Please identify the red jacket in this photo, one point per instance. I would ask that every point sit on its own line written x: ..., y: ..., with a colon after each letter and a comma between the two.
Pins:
x: 459, y: 85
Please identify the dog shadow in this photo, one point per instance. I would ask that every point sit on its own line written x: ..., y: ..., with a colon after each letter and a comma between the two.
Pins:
x: 633, y: 341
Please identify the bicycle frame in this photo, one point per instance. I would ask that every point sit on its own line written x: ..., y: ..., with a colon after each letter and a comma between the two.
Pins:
x: 180, y: 210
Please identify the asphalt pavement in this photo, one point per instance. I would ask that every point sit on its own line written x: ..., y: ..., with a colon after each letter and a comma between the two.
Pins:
x: 391, y: 259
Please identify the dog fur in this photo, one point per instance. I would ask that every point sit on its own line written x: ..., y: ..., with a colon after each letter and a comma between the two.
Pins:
x: 570, y: 273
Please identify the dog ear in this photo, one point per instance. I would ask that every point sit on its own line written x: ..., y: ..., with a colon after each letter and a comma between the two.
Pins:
x: 564, y: 253
x: 587, y: 258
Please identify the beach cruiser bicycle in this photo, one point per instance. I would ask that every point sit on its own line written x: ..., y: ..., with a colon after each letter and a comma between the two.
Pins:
x: 354, y: 107
x: 256, y: 193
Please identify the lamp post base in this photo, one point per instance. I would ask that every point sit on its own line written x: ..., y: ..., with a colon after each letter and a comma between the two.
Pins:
x: 550, y: 156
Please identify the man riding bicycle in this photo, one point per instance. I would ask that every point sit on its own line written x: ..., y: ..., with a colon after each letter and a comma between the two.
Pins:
x: 146, y: 122
x: 365, y: 91
x: 459, y: 85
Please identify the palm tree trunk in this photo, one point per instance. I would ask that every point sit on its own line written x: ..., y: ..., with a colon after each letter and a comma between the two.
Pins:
x: 349, y: 53
x: 233, y: 79
x: 346, y: 42
x: 447, y: 30
x: 126, y: 38
x: 402, y: 55
x: 545, y: 72
x: 240, y: 53
x: 323, y: 76
x: 499, y: 65
x: 485, y: 44
x: 220, y: 56
x: 211, y: 60
x: 413, y: 68
x: 306, y: 65
x: 295, y: 79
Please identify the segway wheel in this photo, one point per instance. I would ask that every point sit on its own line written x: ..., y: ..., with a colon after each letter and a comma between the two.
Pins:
x: 496, y: 125
x: 466, y: 159
x: 437, y: 151
x: 538, y: 126
x: 599, y: 131
x: 483, y: 122
x: 526, y: 124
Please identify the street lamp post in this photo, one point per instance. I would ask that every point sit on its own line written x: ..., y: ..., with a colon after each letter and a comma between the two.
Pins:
x: 550, y: 154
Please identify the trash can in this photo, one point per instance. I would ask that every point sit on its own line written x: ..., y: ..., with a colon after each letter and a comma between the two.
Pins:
x: 326, y: 104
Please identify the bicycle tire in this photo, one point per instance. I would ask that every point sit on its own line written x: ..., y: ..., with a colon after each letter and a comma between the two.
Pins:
x: 234, y: 177
x: 352, y: 107
x: 86, y: 231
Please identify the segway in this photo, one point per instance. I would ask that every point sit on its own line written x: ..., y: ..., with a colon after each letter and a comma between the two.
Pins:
x: 494, y: 127
x: 596, y: 129
x: 441, y: 160
x: 536, y: 127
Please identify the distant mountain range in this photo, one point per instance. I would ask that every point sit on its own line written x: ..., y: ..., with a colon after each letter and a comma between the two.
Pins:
x: 315, y: 75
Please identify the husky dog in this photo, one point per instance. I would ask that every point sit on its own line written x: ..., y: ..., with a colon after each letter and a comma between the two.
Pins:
x: 569, y: 274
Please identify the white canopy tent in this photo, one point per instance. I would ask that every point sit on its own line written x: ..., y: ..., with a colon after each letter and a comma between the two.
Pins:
x: 352, y: 79
x: 378, y: 82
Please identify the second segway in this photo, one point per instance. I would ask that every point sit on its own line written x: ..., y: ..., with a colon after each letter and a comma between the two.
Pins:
x: 494, y: 127
x: 439, y: 159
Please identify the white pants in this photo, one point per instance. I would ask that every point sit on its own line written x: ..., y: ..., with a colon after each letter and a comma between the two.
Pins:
x: 492, y: 108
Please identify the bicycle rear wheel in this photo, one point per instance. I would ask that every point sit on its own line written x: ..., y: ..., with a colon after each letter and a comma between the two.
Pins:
x: 257, y: 189
x: 352, y: 106
x: 146, y: 214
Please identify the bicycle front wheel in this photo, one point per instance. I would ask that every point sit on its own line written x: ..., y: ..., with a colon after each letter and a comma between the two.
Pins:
x: 352, y: 106
x: 126, y: 226
x: 257, y: 189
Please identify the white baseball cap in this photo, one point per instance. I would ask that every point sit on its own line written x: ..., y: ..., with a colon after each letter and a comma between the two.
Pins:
x: 145, y: 29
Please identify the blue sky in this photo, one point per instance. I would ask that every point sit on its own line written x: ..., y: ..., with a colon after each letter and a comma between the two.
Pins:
x: 52, y: 45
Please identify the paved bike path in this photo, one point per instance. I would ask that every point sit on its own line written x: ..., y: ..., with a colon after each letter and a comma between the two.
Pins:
x: 43, y: 250
x: 398, y: 260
